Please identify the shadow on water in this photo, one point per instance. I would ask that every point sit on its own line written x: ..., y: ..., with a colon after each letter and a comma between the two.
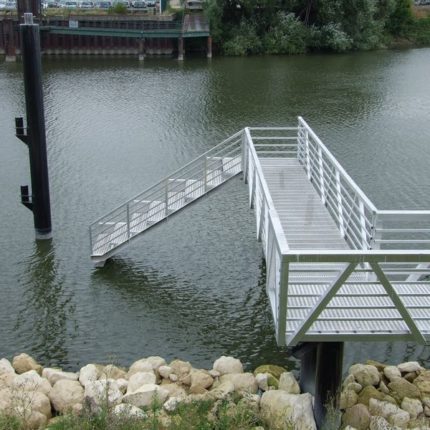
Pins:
x: 45, y: 318
x: 188, y: 311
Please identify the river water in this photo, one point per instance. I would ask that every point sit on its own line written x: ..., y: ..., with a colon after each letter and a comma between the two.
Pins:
x: 192, y: 287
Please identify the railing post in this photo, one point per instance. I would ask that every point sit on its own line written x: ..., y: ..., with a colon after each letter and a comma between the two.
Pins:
x: 282, y: 302
x: 365, y: 243
x: 167, y: 196
x: 377, y: 231
x: 321, y: 170
x: 253, y: 188
x: 128, y: 220
x: 308, y: 158
x: 244, y: 160
x: 91, y: 240
x: 206, y: 175
x: 339, y: 204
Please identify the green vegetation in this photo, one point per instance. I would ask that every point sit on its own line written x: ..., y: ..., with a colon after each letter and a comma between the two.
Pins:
x: 243, y: 27
x: 201, y: 415
x: 118, y: 8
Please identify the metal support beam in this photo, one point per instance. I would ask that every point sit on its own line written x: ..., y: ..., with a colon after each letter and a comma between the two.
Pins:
x: 39, y: 202
x: 209, y: 51
x: 181, y: 49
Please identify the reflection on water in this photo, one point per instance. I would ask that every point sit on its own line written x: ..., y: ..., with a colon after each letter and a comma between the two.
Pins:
x: 45, y: 316
x: 194, y: 287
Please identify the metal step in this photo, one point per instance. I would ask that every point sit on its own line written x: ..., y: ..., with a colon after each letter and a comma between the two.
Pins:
x: 194, y: 189
x: 231, y: 165
x: 157, y: 211
x: 138, y: 222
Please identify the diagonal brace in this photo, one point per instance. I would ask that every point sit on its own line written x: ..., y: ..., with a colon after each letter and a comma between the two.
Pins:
x: 321, y: 304
x: 398, y: 303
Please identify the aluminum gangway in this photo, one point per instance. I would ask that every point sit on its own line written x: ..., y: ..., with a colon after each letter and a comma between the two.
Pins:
x: 337, y: 268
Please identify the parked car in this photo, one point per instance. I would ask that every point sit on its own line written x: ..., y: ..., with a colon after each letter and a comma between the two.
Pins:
x: 150, y: 3
x: 50, y: 4
x: 10, y: 5
x: 124, y: 2
x: 104, y: 4
x: 86, y: 5
x: 70, y: 5
x: 2, y: 5
x: 138, y: 4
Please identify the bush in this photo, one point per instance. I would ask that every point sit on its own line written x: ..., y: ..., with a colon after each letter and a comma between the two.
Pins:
x: 244, y: 41
x: 287, y: 36
x: 118, y: 8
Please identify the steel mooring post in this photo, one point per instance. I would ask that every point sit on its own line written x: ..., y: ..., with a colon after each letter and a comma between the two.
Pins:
x: 321, y: 375
x: 34, y: 136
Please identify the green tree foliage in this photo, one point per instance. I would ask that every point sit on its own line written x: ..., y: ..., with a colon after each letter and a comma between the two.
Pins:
x: 243, y: 27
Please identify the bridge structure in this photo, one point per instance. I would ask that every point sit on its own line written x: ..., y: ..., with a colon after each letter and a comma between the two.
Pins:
x: 337, y: 267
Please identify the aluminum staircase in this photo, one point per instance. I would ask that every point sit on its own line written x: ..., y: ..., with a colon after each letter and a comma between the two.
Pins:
x: 117, y: 228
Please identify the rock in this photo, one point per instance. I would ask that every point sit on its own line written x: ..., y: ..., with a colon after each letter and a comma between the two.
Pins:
x: 26, y: 402
x: 173, y: 377
x: 34, y: 420
x: 140, y: 378
x: 243, y: 382
x: 175, y: 391
x: 5, y: 399
x: 249, y: 403
x: 222, y: 390
x: 370, y: 392
x: 88, y: 373
x: 272, y: 369
x: 214, y: 373
x: 54, y: 375
x: 6, y: 379
x: 146, y: 395
x: 419, y: 424
x: 357, y: 416
x: 426, y: 411
x: 23, y: 363
x: 392, y: 413
x: 65, y: 394
x: 392, y: 372
x: 122, y: 385
x: 422, y: 382
x: 181, y: 368
x: 279, y: 409
x: 383, y: 388
x: 400, y: 388
x: 6, y: 367
x: 379, y: 423
x: 353, y: 386
x: 146, y: 365
x: 261, y: 379
x: 186, y: 379
x: 365, y: 374
x: 411, y: 376
x: 104, y: 392
x: 348, y: 398
x: 349, y: 379
x: 171, y: 404
x: 413, y: 406
x: 349, y: 428
x: 112, y: 372
x: 288, y: 383
x: 200, y: 381
x: 165, y: 371
x: 128, y: 411
x: 31, y: 381
x: 380, y: 366
x: 226, y: 365
x: 410, y: 366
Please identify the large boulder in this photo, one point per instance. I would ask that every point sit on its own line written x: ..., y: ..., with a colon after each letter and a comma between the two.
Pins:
x: 5, y: 399
x: 54, y: 375
x: 243, y: 382
x: 65, y: 394
x: 392, y: 413
x: 357, y: 416
x: 280, y: 410
x: 31, y: 381
x: 400, y: 388
x: 146, y: 365
x: 392, y: 373
x: 6, y: 379
x: 125, y: 410
x: 288, y: 383
x: 23, y: 363
x: 410, y: 366
x: 146, y: 395
x: 88, y: 373
x: 370, y: 392
x: 105, y: 392
x: 422, y: 382
x: 180, y: 368
x: 222, y: 390
x: 272, y: 369
x: 25, y: 402
x: 175, y: 390
x: 365, y: 374
x: 200, y: 381
x: 140, y: 378
x: 165, y: 371
x: 32, y: 420
x: 347, y: 399
x: 226, y: 365
x: 6, y: 367
x: 413, y: 406
x: 112, y: 372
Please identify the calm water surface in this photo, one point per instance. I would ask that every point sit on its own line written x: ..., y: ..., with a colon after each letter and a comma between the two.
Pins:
x: 192, y: 287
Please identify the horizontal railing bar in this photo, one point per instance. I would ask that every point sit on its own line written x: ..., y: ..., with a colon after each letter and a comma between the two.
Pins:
x: 272, y: 128
x: 275, y: 138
